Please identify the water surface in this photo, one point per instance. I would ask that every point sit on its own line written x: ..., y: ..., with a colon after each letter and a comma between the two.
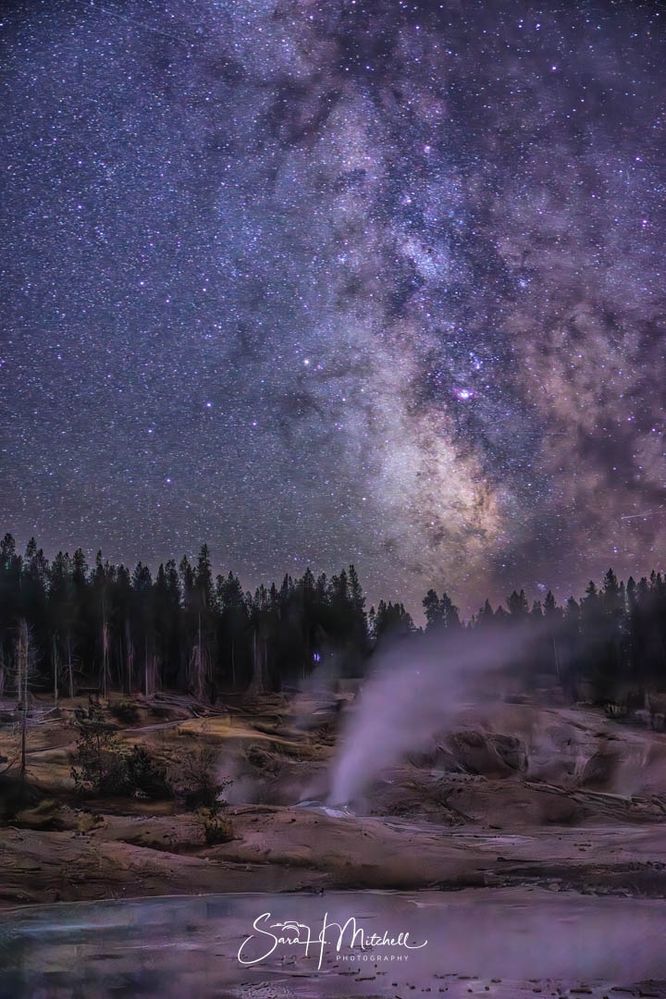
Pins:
x: 501, y: 942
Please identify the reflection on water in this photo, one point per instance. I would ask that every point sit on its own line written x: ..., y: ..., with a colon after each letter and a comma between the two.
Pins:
x: 488, y: 942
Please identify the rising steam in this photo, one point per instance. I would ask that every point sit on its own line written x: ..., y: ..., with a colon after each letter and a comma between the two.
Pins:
x: 416, y: 689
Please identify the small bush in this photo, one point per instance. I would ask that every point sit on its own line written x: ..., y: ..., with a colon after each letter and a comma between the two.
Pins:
x: 217, y: 829
x: 125, y: 712
x: 144, y: 774
x: 103, y: 766
x: 261, y: 759
x: 98, y: 761
x: 201, y: 786
x: 16, y: 794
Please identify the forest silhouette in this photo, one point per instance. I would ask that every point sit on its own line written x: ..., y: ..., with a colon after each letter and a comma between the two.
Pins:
x: 67, y: 627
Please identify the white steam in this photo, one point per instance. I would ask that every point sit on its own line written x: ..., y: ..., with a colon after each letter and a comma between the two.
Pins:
x: 415, y: 691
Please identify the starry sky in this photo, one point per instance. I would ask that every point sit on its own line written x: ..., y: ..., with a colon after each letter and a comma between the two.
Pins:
x: 321, y: 281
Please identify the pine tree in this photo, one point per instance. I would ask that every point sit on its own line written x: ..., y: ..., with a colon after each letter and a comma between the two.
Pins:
x: 449, y: 613
x: 392, y: 620
x: 517, y: 605
x: 432, y: 608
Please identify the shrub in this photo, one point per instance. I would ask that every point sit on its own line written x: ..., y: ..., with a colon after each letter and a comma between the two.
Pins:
x: 145, y: 774
x: 98, y: 761
x: 16, y: 794
x: 125, y: 712
x: 201, y: 785
x: 102, y: 766
x: 217, y: 829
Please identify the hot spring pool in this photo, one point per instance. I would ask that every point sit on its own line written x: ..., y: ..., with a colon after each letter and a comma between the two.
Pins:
x: 497, y: 942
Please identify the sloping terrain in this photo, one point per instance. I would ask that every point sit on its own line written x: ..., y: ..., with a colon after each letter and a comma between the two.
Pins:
x: 513, y: 794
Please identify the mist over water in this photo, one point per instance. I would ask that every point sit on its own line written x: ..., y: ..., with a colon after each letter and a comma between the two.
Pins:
x: 414, y: 692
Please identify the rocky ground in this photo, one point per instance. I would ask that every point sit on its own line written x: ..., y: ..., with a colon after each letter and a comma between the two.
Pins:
x: 519, y: 793
x: 514, y: 796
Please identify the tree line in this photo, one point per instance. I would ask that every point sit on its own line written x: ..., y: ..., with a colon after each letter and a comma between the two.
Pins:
x: 66, y: 626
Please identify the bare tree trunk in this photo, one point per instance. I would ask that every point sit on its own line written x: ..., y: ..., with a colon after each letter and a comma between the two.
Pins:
x: 19, y: 667
x: 155, y: 671
x: 129, y: 659
x: 200, y: 670
x: 55, y: 672
x: 23, y: 662
x: 258, y: 663
x: 105, y: 653
x: 24, y: 725
x: 70, y: 668
x: 197, y: 665
x: 148, y: 670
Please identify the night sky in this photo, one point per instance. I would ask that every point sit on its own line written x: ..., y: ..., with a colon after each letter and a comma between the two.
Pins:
x: 323, y: 281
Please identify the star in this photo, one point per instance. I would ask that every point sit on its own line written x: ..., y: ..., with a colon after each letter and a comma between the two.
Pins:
x: 380, y: 281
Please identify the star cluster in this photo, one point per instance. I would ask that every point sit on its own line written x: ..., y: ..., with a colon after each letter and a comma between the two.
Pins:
x: 322, y: 281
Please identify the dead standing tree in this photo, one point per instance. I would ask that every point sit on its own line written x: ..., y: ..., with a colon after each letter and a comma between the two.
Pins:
x: 150, y: 669
x: 106, y: 644
x: 24, y: 666
x: 70, y: 664
x: 259, y: 662
x: 263, y: 624
x: 129, y: 658
x: 200, y: 664
x: 56, y: 669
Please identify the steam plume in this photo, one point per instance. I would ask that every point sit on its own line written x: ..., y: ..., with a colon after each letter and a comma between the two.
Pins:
x: 414, y: 692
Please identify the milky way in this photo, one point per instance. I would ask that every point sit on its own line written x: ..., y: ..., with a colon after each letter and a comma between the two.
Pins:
x: 337, y: 281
